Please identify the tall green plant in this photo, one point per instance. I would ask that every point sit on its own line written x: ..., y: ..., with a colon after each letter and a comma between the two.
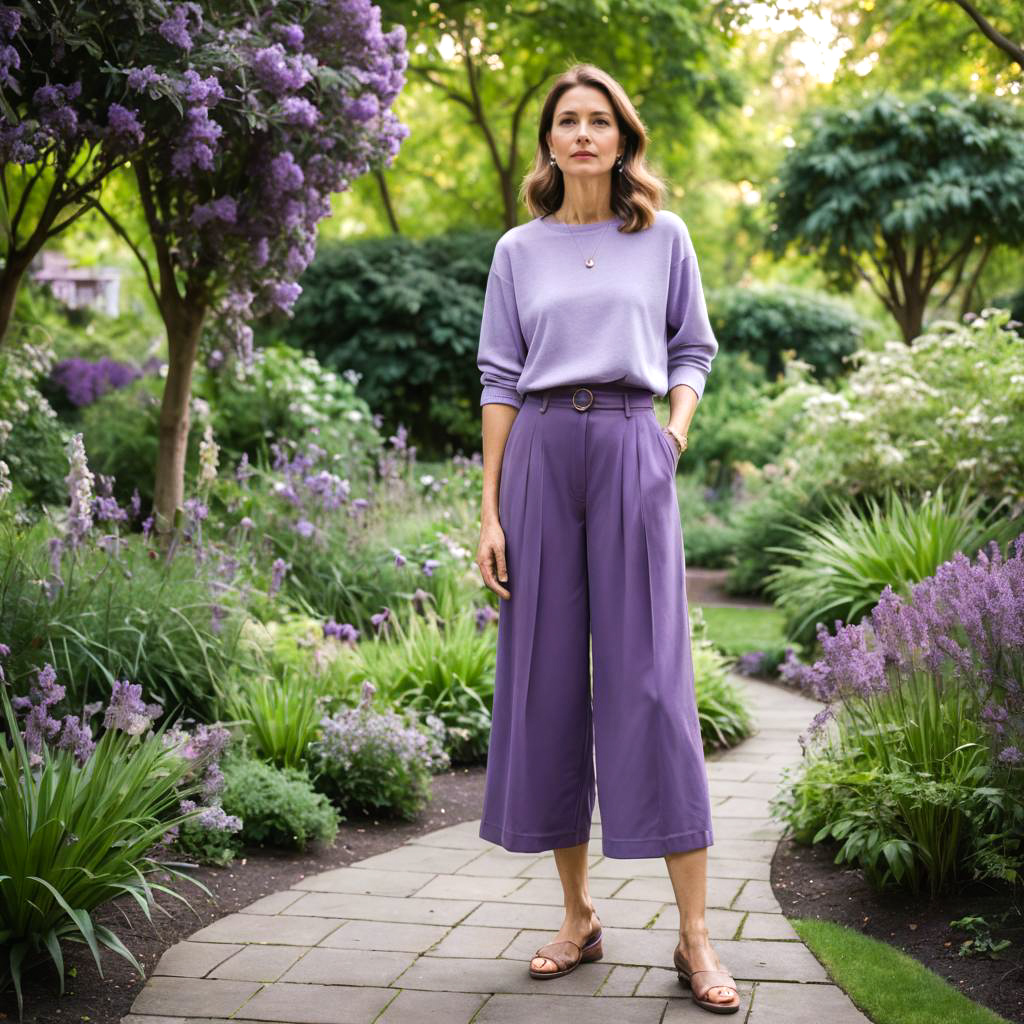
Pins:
x: 844, y: 562
x: 75, y: 836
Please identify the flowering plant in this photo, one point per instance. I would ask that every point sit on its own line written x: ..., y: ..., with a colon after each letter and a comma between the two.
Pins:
x: 927, y: 701
x: 370, y: 760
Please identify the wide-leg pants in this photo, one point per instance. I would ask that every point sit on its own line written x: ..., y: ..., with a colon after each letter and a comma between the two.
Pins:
x: 594, y: 552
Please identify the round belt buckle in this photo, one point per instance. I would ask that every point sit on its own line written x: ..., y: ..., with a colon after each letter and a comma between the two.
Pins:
x: 590, y: 399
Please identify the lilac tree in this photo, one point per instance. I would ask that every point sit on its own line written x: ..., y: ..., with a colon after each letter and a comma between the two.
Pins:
x: 279, y: 109
x: 64, y: 122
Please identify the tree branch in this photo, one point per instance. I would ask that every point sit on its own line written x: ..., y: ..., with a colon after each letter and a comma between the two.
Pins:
x: 115, y: 224
x: 991, y: 33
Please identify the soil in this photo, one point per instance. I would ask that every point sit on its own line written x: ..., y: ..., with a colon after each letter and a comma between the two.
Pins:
x: 457, y: 795
x: 807, y: 883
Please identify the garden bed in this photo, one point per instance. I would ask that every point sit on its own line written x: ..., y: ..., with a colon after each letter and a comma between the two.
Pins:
x: 807, y: 883
x: 457, y: 796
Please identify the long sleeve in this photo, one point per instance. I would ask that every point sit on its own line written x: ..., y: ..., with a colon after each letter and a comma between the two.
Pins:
x: 691, y: 341
x: 502, y: 350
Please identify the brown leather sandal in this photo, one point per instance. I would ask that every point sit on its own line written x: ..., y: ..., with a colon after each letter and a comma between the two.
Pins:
x: 561, y: 954
x: 707, y: 981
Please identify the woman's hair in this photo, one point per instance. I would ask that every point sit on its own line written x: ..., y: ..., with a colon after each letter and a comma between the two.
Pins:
x: 637, y: 192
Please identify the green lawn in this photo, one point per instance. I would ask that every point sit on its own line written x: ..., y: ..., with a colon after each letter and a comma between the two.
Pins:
x: 736, y: 631
x: 889, y: 986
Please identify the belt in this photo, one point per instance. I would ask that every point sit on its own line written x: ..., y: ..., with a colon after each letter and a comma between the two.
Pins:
x: 596, y: 396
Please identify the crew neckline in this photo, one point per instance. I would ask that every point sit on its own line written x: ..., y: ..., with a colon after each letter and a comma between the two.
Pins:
x: 557, y: 225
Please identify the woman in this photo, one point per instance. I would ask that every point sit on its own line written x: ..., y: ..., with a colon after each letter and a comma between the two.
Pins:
x: 590, y: 309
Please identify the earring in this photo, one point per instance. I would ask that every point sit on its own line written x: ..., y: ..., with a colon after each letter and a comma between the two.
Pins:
x: 618, y: 164
x: 551, y: 159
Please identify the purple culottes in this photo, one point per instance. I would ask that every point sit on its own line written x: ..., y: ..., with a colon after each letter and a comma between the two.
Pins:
x: 594, y: 551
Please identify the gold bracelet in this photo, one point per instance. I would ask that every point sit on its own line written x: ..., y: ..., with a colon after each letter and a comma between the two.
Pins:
x: 680, y: 439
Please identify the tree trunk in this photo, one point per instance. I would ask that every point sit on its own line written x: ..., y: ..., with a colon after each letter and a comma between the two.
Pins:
x: 184, y: 323
x: 10, y: 281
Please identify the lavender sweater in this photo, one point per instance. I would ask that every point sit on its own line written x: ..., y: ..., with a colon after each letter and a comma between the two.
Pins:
x: 637, y: 317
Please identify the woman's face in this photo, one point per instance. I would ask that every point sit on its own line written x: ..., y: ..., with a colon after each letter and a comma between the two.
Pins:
x: 584, y: 123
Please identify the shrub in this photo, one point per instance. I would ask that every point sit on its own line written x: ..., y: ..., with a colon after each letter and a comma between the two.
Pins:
x: 909, y: 418
x: 442, y: 667
x: 721, y: 710
x: 376, y: 761
x: 403, y: 314
x: 277, y: 805
x: 925, y: 779
x: 768, y: 320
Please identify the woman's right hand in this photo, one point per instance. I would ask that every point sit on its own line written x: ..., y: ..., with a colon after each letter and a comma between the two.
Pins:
x: 490, y: 557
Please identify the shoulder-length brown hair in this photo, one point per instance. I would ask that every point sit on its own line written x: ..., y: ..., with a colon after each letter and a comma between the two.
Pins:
x: 637, y: 193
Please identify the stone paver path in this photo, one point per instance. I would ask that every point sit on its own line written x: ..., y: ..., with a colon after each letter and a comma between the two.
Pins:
x: 442, y: 928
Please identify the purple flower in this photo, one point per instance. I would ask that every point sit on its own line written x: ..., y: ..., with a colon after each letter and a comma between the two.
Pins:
x: 142, y: 78
x: 380, y: 619
x: 429, y: 566
x: 277, y: 571
x: 224, y: 209
x: 123, y: 125
x: 85, y: 381
x: 1011, y: 755
x: 127, y: 711
x: 176, y: 28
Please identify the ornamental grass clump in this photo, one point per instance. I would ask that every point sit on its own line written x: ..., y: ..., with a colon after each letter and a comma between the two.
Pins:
x: 80, y: 821
x: 922, y: 778
x: 377, y: 761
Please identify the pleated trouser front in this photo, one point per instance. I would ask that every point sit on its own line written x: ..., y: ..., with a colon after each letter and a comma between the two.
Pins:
x: 594, y: 551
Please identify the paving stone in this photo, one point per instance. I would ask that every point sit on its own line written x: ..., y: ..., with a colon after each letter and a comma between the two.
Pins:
x: 741, y: 807
x: 756, y: 960
x: 722, y: 924
x: 628, y: 914
x: 386, y: 935
x: 549, y: 890
x: 454, y: 838
x: 763, y: 791
x: 420, y: 858
x: 780, y: 1003
x: 412, y: 1007
x: 410, y: 909
x: 768, y: 926
x: 744, y: 849
x: 259, y: 963
x: 318, y: 1004
x: 472, y: 941
x: 737, y: 770
x: 745, y: 828
x: 720, y: 891
x: 454, y: 974
x: 349, y: 967
x: 757, y: 896
x: 372, y: 881
x: 193, y: 959
x: 515, y: 1009
x: 545, y: 867
x: 135, y: 1018
x: 274, y: 903
x: 622, y: 981
x: 499, y: 863
x: 630, y: 867
x: 192, y: 997
x: 469, y: 887
x: 726, y: 867
x: 278, y: 929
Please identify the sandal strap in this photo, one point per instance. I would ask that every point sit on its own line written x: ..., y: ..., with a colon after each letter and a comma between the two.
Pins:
x: 710, y: 980
x: 561, y: 956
